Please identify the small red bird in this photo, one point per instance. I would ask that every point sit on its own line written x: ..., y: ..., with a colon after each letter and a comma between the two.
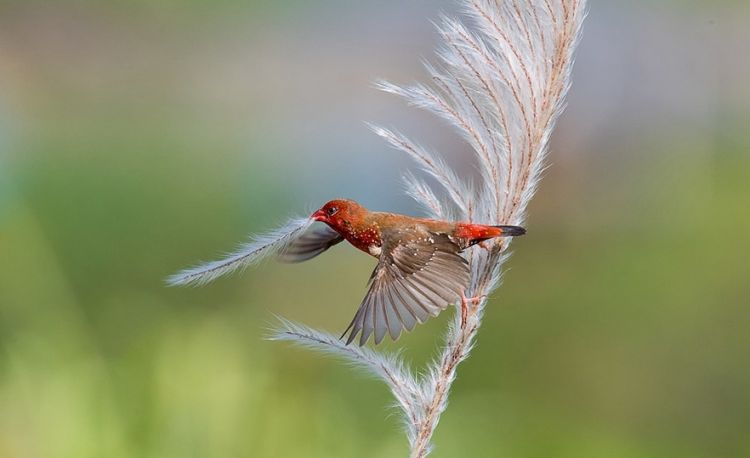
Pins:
x: 420, y: 271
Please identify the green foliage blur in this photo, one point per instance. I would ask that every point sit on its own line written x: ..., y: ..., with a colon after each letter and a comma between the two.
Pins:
x: 138, y: 139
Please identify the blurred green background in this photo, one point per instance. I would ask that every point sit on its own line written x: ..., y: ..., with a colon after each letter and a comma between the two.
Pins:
x: 139, y: 137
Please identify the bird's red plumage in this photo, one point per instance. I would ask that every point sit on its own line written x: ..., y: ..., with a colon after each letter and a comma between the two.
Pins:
x: 476, y: 232
x: 366, y: 230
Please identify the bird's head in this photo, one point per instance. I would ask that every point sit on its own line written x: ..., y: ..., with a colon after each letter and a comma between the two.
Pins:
x: 340, y: 214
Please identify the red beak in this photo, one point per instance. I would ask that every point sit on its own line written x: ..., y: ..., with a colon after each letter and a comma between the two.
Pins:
x: 319, y: 215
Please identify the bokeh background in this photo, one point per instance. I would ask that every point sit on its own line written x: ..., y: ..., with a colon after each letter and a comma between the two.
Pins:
x: 139, y: 137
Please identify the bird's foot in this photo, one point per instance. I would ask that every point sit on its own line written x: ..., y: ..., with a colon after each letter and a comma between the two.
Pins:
x: 465, y: 301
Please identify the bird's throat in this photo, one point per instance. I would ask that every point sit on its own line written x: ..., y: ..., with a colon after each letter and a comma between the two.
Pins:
x: 364, y: 237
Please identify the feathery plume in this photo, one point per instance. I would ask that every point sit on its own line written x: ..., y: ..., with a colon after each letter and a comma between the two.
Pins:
x: 388, y: 368
x: 501, y: 84
x: 258, y: 248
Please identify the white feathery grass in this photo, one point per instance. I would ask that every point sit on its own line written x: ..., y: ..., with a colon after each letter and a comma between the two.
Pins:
x: 430, y: 163
x: 421, y: 192
x: 501, y: 83
x: 388, y: 368
x: 258, y: 248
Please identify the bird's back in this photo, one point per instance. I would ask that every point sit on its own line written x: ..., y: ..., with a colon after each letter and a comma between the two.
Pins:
x: 393, y: 222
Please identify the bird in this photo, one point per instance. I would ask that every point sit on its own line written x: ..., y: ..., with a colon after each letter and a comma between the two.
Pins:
x: 419, y: 273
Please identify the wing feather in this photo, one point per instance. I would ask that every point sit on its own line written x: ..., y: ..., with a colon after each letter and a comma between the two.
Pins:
x: 406, y: 298
x: 310, y: 244
x: 368, y: 323
x: 413, y: 280
x: 392, y: 315
x: 381, y: 324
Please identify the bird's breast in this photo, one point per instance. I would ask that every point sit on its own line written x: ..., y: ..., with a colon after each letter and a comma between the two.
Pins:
x: 366, y: 239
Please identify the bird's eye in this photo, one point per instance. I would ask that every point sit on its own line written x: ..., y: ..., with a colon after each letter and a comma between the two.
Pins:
x: 332, y: 211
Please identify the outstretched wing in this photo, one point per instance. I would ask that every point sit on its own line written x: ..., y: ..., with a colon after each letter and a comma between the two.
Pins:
x: 309, y: 245
x: 414, y: 280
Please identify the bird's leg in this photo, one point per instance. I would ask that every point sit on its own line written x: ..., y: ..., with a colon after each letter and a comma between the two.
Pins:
x: 465, y: 306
